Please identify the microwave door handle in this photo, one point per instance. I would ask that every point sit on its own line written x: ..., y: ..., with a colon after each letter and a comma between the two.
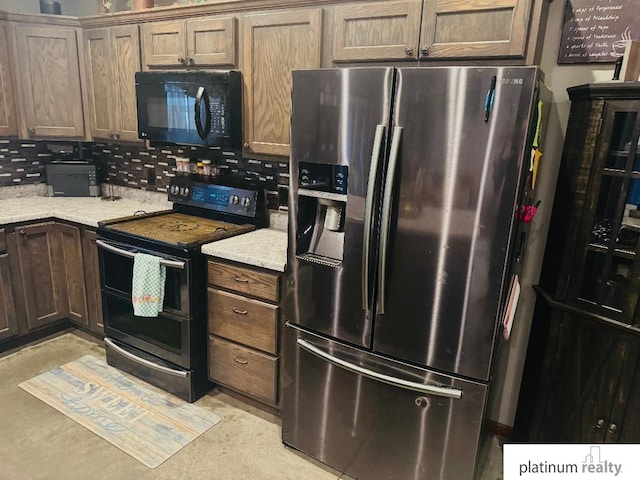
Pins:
x: 200, y: 96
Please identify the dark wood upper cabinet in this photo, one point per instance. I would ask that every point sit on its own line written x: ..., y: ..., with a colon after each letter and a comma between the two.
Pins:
x: 8, y: 121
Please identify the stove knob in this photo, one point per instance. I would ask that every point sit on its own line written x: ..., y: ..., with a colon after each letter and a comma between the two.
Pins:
x: 175, y: 189
x: 234, y: 199
x: 187, y: 191
x: 246, y: 201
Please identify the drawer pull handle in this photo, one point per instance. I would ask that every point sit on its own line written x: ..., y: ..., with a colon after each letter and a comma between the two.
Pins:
x: 241, y: 360
x: 239, y: 312
x: 241, y: 280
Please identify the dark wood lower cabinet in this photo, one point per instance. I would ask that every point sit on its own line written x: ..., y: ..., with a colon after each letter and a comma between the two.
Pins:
x: 74, y: 273
x: 590, y: 391
x: 92, y: 280
x: 49, y: 273
x: 8, y: 319
x: 41, y: 273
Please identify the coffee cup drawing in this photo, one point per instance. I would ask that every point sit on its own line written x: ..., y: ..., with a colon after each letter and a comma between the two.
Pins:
x: 618, y: 47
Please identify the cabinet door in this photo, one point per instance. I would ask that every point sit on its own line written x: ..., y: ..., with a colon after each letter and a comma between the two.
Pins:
x: 274, y: 44
x: 42, y: 273
x: 125, y: 62
x: 99, y: 82
x: 8, y: 320
x: 211, y: 41
x: 7, y: 107
x: 163, y: 43
x: 47, y: 66
x: 92, y: 281
x: 582, y: 383
x: 377, y: 31
x: 607, y: 272
x: 624, y: 422
x: 73, y: 279
x: 474, y: 28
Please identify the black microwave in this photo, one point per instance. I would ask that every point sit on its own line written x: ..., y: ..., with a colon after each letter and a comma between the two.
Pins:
x: 193, y: 108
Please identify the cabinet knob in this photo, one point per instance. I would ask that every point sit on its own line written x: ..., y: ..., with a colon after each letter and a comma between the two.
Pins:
x: 23, y: 231
x: 239, y: 312
x: 599, y: 423
x: 424, y: 50
x: 110, y: 135
x: 116, y: 135
x: 241, y: 360
x: 190, y: 61
x: 31, y: 130
x: 613, y: 428
x: 246, y: 146
x: 182, y: 60
x: 408, y: 50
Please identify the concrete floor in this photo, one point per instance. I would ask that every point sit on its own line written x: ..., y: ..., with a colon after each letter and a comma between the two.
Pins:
x: 37, y: 442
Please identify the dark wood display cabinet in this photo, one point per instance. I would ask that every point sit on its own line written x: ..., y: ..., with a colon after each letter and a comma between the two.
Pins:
x: 582, y: 378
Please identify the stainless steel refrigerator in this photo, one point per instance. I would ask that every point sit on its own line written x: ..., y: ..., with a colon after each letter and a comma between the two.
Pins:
x: 403, y: 188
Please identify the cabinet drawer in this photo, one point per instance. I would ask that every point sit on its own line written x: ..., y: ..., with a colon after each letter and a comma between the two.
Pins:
x: 243, y: 369
x: 243, y: 320
x: 258, y: 284
x: 3, y: 241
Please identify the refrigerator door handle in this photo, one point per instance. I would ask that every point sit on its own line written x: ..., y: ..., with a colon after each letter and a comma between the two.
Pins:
x: 386, y: 216
x: 394, y: 381
x: 368, y: 213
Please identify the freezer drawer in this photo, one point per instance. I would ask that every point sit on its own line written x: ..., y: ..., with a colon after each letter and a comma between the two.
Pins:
x: 375, y: 418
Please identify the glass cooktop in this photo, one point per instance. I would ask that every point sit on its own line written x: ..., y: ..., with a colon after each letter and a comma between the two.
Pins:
x: 178, y: 229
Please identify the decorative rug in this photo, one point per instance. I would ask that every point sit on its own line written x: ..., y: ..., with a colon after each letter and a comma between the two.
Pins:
x: 143, y: 421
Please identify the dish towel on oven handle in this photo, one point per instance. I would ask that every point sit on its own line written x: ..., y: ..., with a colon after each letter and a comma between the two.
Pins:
x: 147, y: 286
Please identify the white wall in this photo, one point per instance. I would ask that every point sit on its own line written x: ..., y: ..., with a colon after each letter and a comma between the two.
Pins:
x: 76, y: 8
x: 511, y: 355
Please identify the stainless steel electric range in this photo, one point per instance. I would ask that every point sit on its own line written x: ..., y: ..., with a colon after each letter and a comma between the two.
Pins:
x: 170, y: 350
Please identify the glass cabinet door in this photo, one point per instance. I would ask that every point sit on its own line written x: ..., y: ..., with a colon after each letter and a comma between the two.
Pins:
x: 608, y: 275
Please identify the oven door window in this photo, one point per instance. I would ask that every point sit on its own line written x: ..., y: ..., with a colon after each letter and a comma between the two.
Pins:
x: 163, y: 335
x: 117, y: 276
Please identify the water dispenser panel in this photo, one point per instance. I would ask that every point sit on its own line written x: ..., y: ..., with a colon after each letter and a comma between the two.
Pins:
x: 323, y: 177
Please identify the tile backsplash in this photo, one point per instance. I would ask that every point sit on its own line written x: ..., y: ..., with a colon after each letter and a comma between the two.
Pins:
x: 131, y: 165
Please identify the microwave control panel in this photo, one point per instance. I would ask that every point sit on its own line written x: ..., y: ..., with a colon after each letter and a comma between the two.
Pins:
x: 218, y: 119
x: 221, y: 198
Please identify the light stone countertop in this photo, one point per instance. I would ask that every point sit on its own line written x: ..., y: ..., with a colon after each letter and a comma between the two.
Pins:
x: 83, y: 210
x: 266, y: 248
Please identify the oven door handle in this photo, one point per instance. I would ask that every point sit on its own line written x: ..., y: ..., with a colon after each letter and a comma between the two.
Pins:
x: 127, y: 253
x: 135, y: 358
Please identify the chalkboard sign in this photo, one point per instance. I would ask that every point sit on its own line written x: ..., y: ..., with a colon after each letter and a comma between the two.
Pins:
x: 595, y: 31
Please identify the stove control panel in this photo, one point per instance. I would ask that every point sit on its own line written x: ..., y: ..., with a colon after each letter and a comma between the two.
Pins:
x: 221, y: 198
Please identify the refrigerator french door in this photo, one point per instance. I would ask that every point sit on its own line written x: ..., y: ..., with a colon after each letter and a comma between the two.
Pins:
x: 403, y: 188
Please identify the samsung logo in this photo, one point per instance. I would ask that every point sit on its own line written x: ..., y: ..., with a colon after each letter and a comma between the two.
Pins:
x: 511, y: 81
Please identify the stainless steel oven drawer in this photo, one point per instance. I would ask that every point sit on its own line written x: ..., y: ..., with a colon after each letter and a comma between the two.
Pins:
x: 164, y: 375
